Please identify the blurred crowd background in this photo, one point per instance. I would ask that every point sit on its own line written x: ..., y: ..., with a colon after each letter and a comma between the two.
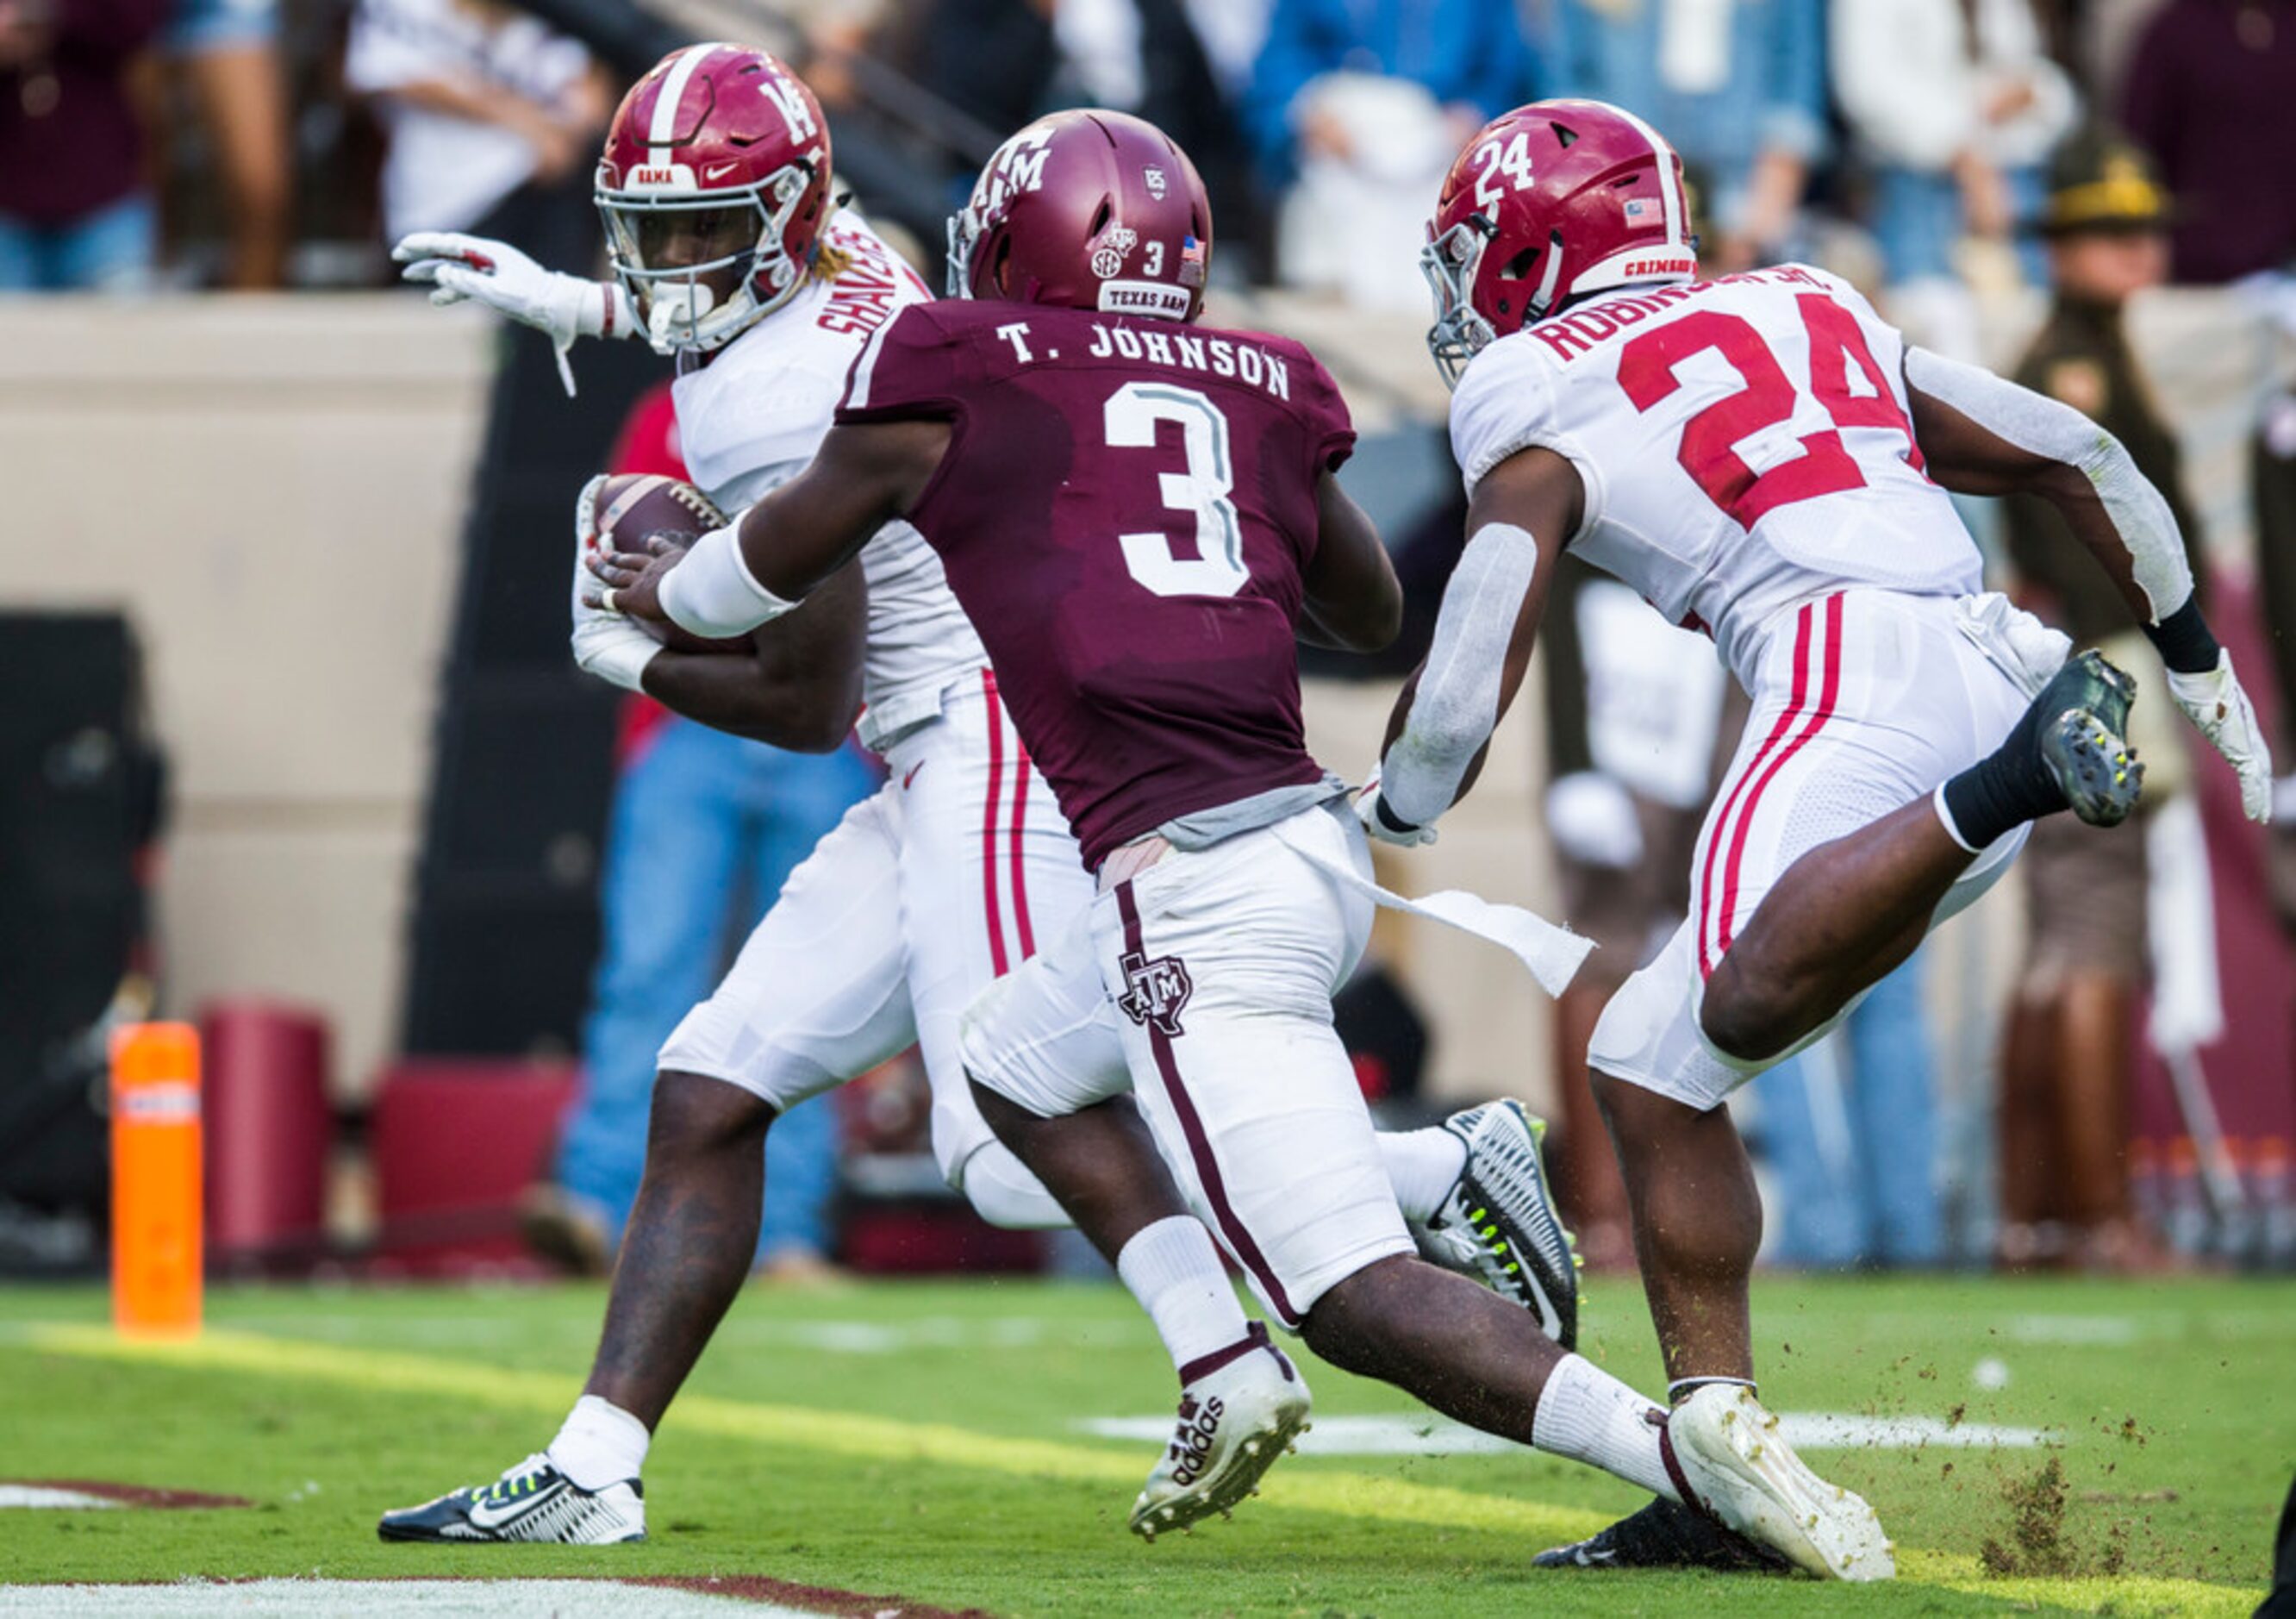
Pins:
x: 443, y: 1060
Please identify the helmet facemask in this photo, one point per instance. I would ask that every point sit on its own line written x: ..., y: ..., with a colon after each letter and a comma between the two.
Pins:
x: 963, y: 236
x: 700, y: 267
x: 1451, y: 262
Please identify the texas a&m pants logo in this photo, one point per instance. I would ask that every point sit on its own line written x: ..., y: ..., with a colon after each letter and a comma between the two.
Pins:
x: 1155, y: 991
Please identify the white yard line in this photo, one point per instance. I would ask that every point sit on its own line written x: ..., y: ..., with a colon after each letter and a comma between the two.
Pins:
x: 432, y: 1599
x: 43, y: 1496
x: 1427, y: 1436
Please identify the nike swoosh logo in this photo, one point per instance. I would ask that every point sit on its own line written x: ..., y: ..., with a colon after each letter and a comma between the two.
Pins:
x: 717, y: 170
x: 525, y: 1508
x: 912, y: 775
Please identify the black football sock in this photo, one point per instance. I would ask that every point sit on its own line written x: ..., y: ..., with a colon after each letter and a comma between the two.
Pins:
x: 2002, y: 790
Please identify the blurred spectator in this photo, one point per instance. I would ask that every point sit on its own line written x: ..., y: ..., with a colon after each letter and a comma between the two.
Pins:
x: 230, y: 56
x: 1169, y: 61
x: 1849, y: 1129
x: 2070, y: 1064
x: 1358, y: 107
x: 993, y: 59
x: 75, y: 212
x: 1955, y: 107
x: 479, y: 101
x: 836, y: 33
x: 1739, y: 88
x: 1637, y: 735
x: 2211, y: 90
x: 705, y: 829
x: 2272, y: 485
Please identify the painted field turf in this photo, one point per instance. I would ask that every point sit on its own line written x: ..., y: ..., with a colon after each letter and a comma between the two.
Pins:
x: 927, y: 1440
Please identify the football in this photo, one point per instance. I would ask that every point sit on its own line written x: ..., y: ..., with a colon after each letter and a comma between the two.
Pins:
x: 634, y: 506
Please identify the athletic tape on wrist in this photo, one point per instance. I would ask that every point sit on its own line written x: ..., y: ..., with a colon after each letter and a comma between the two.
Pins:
x: 619, y: 659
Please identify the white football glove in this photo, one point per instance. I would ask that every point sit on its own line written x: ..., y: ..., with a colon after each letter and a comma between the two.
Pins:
x: 1367, y: 811
x: 606, y: 644
x: 2216, y: 704
x: 563, y: 307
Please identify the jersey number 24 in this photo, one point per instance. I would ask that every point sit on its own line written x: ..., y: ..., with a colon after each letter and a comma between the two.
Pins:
x: 1709, y: 439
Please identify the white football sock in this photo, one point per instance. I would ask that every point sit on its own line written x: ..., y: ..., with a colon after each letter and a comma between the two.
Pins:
x: 1004, y: 1193
x: 1175, y: 1273
x: 600, y: 1444
x: 1422, y: 1166
x: 1589, y: 1416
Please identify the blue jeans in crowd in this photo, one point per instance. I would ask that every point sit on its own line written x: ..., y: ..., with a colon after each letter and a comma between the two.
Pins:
x: 109, y: 251
x: 1917, y: 220
x: 706, y: 827
x: 1855, y: 1153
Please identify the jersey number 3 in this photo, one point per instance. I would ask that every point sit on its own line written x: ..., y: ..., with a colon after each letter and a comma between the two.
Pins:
x: 1709, y: 451
x: 1216, y: 568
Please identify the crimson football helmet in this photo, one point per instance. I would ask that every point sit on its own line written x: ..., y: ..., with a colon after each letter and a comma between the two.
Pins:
x: 1547, y: 203
x: 715, y: 190
x: 1088, y: 210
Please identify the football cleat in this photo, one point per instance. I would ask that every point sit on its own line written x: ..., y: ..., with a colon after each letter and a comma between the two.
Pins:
x: 1499, y: 1225
x: 2084, y: 732
x: 1728, y: 1457
x: 1239, y: 1409
x: 1666, y: 1534
x: 531, y: 1501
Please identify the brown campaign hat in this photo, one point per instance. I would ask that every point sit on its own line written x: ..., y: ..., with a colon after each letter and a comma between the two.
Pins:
x: 2100, y: 182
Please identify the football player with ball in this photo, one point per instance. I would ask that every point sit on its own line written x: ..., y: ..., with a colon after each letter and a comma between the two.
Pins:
x: 734, y: 252
x: 1152, y: 668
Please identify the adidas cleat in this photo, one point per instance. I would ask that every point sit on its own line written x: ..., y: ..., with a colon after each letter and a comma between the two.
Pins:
x: 1239, y: 1409
x: 2084, y: 739
x: 1666, y: 1534
x: 1500, y: 1227
x: 1726, y: 1456
x: 532, y: 1501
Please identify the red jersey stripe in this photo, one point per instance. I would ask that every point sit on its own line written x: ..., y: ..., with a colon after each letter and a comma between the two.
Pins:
x: 1827, y: 696
x: 1708, y: 954
x: 996, y: 921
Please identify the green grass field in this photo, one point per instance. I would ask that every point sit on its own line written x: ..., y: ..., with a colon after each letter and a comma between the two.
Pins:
x: 925, y: 1440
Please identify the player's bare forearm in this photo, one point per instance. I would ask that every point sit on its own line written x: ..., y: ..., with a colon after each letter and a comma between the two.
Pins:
x: 1351, y: 600
x: 802, y: 689
x: 864, y: 476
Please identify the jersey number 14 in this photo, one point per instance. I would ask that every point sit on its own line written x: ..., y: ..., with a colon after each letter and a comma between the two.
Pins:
x: 1708, y: 449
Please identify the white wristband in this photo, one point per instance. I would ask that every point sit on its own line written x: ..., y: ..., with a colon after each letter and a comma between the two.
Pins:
x: 712, y: 593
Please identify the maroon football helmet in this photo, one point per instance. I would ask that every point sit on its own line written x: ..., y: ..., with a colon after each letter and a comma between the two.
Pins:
x: 1088, y: 210
x: 715, y: 189
x: 1547, y: 203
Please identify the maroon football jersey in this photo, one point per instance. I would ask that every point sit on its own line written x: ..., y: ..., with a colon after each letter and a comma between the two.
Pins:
x: 1124, y: 511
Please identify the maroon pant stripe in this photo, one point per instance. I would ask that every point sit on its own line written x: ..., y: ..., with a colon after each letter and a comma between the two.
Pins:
x: 1199, y: 1147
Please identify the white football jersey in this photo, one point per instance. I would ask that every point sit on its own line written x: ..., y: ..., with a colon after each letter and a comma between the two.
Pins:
x: 753, y: 417
x: 1746, y: 445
